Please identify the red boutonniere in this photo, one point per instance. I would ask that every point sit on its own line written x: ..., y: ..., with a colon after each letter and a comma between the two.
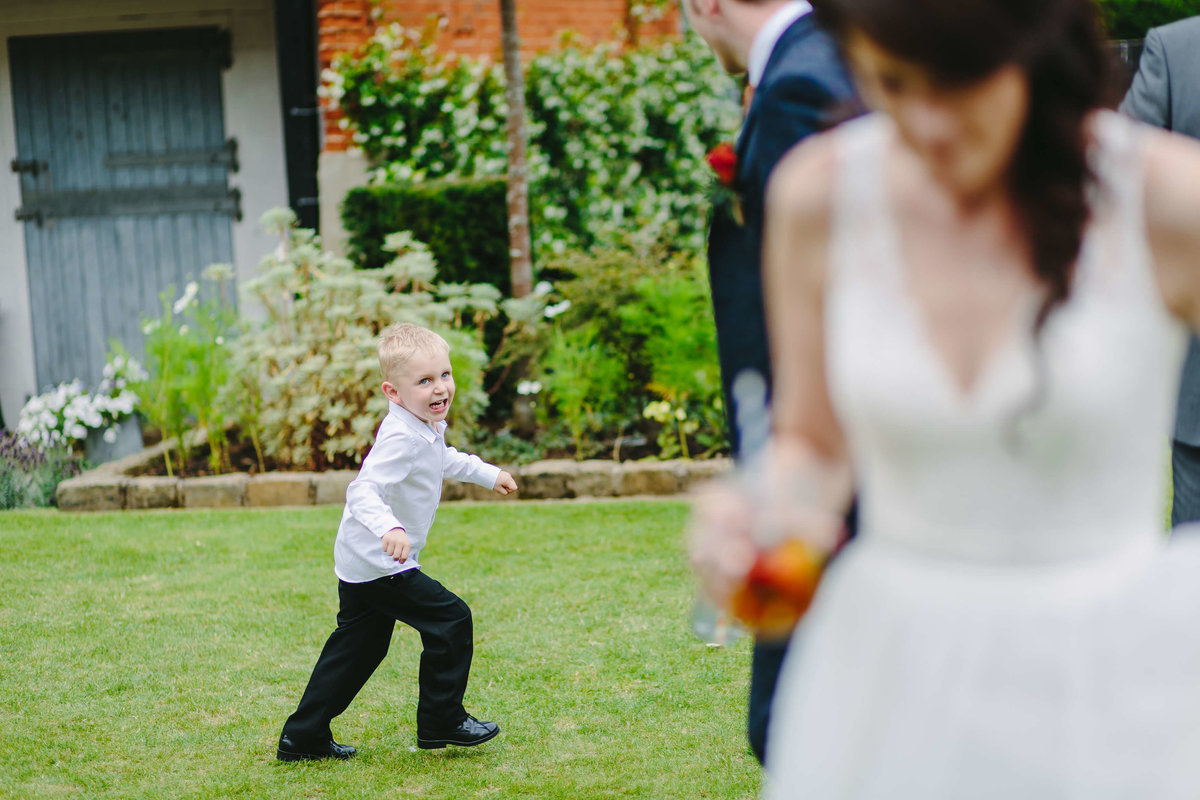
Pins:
x: 723, y: 160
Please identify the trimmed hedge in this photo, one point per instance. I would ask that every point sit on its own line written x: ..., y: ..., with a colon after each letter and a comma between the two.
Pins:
x: 464, y: 223
x: 1130, y: 19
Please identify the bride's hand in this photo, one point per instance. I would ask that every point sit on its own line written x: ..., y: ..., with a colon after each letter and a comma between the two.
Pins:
x: 737, y: 519
x: 721, y: 538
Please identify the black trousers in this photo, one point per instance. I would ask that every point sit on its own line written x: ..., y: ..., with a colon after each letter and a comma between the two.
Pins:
x: 366, y: 616
x: 765, y: 664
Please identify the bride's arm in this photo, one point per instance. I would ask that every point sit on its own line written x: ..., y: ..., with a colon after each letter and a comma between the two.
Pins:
x: 1173, y: 221
x: 807, y: 440
x: 803, y: 486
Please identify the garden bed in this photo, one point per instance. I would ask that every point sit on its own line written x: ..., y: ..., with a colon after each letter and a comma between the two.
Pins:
x: 128, y: 483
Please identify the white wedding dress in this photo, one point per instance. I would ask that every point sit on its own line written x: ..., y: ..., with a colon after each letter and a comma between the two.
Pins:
x: 1011, y: 622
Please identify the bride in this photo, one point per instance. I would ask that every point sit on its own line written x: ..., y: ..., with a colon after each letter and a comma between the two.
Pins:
x: 978, y: 301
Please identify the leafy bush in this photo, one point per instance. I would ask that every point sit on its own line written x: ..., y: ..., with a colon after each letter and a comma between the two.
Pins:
x: 617, y: 136
x: 29, y: 474
x: 1130, y: 19
x: 584, y: 379
x: 427, y: 114
x: 463, y: 222
x: 633, y: 331
x: 671, y: 327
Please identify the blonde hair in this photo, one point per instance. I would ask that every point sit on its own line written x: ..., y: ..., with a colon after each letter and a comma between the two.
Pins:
x: 400, y: 342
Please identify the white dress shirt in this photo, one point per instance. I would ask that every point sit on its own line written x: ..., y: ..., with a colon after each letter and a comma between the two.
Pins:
x: 399, y: 486
x: 768, y: 36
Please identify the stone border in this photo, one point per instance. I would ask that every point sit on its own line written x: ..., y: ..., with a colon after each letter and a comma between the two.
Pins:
x: 111, y: 487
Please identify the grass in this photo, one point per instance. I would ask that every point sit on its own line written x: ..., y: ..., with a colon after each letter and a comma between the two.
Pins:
x: 157, y: 654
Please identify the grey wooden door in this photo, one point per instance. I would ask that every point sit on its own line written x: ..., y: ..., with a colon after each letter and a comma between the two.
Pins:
x: 124, y: 182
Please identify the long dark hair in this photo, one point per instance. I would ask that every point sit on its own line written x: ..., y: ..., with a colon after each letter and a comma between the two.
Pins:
x: 1058, y: 44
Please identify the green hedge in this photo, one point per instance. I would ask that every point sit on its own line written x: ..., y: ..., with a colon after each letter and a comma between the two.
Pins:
x: 617, y: 135
x: 1130, y: 19
x: 464, y: 223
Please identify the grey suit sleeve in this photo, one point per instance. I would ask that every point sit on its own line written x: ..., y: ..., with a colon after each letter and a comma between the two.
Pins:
x: 1149, y: 97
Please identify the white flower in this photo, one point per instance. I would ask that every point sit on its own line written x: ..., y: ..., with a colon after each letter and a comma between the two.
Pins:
x: 136, y: 371
x: 110, y: 435
x: 183, y: 329
x: 150, y: 327
x: 553, y: 311
x: 525, y: 388
x: 220, y: 340
x: 189, y: 294
x: 542, y: 289
x: 34, y: 406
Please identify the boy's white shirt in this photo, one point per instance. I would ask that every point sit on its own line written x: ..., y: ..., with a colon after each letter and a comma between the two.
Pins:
x: 399, y: 486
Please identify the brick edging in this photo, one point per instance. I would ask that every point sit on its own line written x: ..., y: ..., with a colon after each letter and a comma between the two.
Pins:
x: 109, y: 488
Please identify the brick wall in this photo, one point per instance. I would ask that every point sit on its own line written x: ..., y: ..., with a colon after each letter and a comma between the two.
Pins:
x: 472, y: 27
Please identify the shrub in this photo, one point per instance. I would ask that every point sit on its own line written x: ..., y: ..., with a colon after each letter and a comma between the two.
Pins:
x: 425, y: 113
x: 617, y: 136
x: 584, y: 380
x: 633, y: 328
x: 463, y: 222
x: 1130, y: 19
x: 671, y: 327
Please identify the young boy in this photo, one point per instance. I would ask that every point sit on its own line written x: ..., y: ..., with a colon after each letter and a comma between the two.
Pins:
x: 390, y: 507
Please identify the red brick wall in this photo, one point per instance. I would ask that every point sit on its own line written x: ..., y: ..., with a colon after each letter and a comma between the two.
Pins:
x: 472, y: 27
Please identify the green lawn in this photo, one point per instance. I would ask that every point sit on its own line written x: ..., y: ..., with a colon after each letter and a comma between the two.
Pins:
x: 157, y: 654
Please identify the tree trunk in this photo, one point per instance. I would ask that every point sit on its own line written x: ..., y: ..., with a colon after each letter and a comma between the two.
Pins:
x: 518, y: 173
x: 631, y: 24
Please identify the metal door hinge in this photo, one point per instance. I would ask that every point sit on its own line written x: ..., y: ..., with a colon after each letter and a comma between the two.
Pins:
x: 30, y: 166
x: 29, y: 215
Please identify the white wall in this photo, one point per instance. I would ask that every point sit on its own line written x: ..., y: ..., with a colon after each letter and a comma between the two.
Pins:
x: 252, y: 115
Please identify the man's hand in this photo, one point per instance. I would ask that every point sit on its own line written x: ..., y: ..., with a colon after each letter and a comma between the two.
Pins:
x: 396, y: 544
x: 504, y: 484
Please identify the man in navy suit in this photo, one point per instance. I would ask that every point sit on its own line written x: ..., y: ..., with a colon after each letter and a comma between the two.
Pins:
x: 1166, y: 93
x: 797, y: 86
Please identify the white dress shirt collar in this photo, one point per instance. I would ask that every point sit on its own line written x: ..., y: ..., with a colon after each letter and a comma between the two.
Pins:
x: 768, y: 36
x: 416, y: 423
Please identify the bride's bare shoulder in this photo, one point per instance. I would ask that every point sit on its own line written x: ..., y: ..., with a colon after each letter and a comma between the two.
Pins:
x: 801, y: 186
x: 1172, y: 215
x: 1172, y: 181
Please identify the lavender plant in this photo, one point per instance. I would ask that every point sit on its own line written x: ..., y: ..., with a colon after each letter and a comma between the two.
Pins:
x: 29, y: 474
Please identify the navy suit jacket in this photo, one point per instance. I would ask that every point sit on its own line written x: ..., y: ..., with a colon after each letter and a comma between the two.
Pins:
x: 805, y: 84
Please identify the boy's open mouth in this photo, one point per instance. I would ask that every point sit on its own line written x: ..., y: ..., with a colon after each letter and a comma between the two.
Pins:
x: 439, y: 405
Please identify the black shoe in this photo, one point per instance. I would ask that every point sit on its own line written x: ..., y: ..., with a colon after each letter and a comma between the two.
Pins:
x: 288, y: 751
x: 469, y: 733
